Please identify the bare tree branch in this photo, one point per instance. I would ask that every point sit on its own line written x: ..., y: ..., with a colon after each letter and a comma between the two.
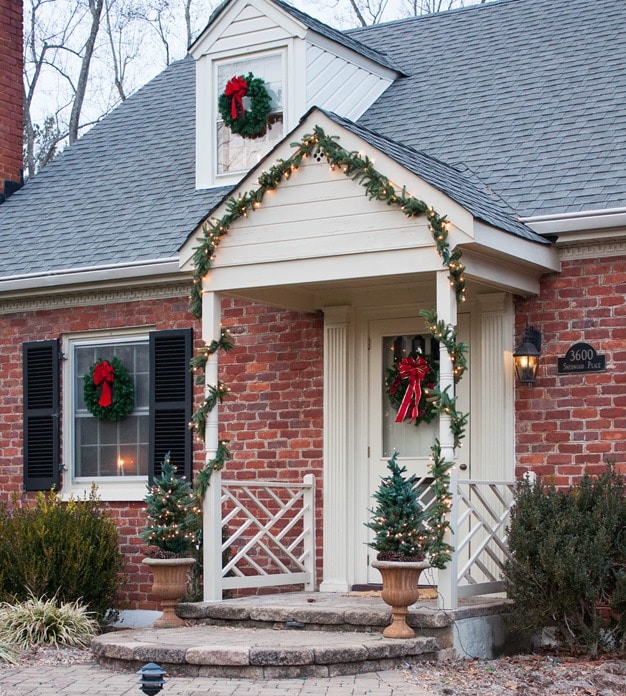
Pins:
x: 95, y: 7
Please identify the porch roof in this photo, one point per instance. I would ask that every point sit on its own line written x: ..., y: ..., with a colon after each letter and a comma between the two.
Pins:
x: 332, y: 245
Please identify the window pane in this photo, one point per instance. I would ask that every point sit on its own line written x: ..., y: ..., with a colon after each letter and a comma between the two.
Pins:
x: 235, y: 153
x: 268, y: 68
x: 409, y: 439
x: 112, y: 448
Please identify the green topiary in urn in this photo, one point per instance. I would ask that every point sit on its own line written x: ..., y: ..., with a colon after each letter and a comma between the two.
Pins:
x: 402, y: 542
x: 398, y: 521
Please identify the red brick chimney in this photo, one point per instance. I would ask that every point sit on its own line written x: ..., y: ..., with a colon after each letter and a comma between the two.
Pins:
x: 11, y: 97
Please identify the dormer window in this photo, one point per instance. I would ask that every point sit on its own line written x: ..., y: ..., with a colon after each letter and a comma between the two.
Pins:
x: 236, y: 154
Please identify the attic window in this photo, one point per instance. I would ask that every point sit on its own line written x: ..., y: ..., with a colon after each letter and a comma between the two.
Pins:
x: 237, y: 154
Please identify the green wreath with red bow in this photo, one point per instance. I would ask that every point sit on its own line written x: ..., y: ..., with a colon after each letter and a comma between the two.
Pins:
x: 408, y: 384
x: 252, y: 121
x: 108, y: 390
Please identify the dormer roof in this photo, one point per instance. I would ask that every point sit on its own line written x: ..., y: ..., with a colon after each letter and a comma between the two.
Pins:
x: 314, y: 25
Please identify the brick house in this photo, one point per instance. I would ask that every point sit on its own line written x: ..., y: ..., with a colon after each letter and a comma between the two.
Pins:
x: 506, y: 119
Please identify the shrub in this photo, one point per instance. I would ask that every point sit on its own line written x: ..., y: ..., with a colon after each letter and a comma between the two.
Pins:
x: 568, y: 567
x: 46, y: 622
x: 67, y: 550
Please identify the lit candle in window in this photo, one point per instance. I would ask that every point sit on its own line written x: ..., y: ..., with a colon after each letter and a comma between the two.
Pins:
x: 120, y: 467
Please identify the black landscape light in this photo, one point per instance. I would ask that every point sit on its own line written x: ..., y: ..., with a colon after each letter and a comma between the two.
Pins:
x: 152, y: 678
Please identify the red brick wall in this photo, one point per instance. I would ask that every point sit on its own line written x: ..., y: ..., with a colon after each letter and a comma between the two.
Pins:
x: 11, y: 91
x: 274, y: 419
x: 568, y: 424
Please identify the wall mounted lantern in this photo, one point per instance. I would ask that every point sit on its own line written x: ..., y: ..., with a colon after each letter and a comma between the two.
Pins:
x: 527, y: 356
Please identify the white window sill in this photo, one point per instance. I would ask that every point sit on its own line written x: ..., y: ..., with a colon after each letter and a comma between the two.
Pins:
x: 107, y: 491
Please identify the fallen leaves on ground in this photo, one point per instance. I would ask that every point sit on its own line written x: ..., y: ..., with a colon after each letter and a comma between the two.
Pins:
x: 523, y: 675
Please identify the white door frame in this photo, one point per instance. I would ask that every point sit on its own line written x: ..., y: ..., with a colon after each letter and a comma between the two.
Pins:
x: 346, y: 485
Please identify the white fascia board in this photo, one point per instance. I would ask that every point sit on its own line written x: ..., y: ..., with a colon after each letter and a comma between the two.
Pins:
x: 582, y: 225
x: 139, y: 271
x: 323, y: 269
x: 202, y: 45
x: 506, y: 276
x: 350, y: 56
x: 543, y: 257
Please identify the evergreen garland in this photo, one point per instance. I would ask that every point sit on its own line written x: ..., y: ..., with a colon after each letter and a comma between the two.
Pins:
x: 439, y: 550
x: 377, y: 187
x: 172, y: 513
x: 122, y: 392
x: 203, y: 478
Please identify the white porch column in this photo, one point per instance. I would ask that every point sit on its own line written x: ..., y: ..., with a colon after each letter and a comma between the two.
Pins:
x: 447, y: 311
x: 496, y: 461
x: 212, y: 508
x: 336, y: 433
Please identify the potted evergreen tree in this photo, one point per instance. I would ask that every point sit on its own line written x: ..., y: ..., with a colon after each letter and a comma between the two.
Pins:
x: 171, y: 532
x: 402, y: 540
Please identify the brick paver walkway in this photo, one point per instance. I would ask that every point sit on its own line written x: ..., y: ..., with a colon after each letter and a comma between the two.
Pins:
x: 90, y: 679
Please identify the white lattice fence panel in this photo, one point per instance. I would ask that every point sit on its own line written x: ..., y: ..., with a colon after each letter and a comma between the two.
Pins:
x: 270, y: 533
x: 483, y: 515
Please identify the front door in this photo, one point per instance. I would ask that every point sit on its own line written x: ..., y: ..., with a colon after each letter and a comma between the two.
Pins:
x: 390, y: 339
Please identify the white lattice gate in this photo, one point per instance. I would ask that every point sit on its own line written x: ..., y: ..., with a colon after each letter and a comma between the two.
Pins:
x: 269, y: 533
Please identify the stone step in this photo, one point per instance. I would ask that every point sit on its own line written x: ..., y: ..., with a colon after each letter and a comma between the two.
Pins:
x: 314, y: 611
x: 225, y: 651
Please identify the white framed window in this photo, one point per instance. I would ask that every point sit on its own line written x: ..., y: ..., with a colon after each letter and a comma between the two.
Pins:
x: 235, y: 154
x: 120, y: 457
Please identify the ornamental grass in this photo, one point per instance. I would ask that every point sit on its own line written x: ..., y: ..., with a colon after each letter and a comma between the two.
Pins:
x: 8, y: 654
x: 44, y: 621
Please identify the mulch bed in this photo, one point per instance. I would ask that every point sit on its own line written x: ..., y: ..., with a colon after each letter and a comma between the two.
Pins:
x: 524, y: 675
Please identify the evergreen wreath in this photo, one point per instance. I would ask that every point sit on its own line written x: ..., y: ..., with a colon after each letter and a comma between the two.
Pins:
x: 252, y: 122
x: 108, y: 390
x: 397, y: 382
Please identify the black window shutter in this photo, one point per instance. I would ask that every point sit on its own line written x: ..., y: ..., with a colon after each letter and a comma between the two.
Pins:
x: 170, y: 400
x: 41, y: 415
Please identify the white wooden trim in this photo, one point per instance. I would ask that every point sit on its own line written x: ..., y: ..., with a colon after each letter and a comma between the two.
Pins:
x: 353, y: 57
x: 212, y: 507
x: 205, y: 43
x: 447, y: 312
x: 496, y: 399
x: 336, y: 452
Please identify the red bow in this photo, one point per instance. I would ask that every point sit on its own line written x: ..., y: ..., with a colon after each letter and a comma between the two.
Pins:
x: 103, y: 374
x: 236, y: 88
x: 415, y: 369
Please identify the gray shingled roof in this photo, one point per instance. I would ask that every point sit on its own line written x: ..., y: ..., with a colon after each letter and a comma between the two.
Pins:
x: 525, y: 98
x: 462, y: 187
x: 530, y: 94
x: 123, y: 192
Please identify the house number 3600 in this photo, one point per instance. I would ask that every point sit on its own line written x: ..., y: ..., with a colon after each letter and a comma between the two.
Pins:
x: 581, y: 357
x: 576, y: 355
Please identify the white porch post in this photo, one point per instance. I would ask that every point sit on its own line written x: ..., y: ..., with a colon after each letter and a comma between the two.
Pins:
x: 447, y: 311
x: 336, y: 433
x: 212, y: 508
